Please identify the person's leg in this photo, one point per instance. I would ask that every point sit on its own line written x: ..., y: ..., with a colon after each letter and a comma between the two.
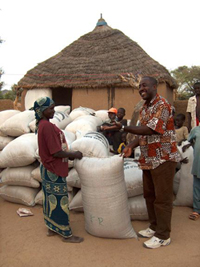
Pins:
x: 149, y: 195
x: 196, y: 199
x: 196, y: 194
x: 163, y: 177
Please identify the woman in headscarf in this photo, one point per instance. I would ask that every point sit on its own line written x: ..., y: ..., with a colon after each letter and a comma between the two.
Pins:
x: 54, y: 154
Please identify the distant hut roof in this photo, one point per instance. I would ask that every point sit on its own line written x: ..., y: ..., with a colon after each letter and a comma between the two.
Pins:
x: 96, y: 59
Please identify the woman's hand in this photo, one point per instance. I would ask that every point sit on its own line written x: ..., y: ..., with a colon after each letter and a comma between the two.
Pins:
x: 75, y: 155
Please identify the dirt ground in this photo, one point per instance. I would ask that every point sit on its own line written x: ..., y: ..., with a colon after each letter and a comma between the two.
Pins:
x: 23, y: 242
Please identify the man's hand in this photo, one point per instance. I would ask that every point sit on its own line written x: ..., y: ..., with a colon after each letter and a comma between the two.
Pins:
x: 127, y: 151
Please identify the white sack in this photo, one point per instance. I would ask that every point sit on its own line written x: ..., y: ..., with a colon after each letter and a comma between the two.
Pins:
x: 93, y: 144
x: 90, y: 118
x: 104, y: 197
x: 18, y: 124
x: 69, y: 136
x: 35, y: 94
x: 81, y: 111
x: 19, y: 176
x: 81, y: 126
x: 138, y: 208
x: 60, y: 119
x: 102, y: 114
x: 76, y: 203
x: 133, y: 178
x: 65, y: 109
x: 19, y: 152
x: 4, y: 140
x: 73, y: 179
x: 19, y: 194
x: 35, y: 174
x: 184, y: 195
x: 6, y: 114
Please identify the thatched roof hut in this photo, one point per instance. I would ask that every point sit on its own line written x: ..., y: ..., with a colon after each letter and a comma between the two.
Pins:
x: 93, y: 62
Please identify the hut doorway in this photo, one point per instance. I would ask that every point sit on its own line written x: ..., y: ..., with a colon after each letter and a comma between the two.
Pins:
x: 62, y: 96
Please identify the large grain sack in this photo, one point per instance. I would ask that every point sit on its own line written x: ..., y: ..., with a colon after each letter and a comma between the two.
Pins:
x: 19, y: 194
x: 65, y: 109
x: 104, y: 197
x: 18, y: 124
x: 6, y: 114
x: 19, y: 152
x: 4, y: 140
x: 35, y: 94
x: 93, y: 144
x: 19, y: 176
x: 69, y: 136
x: 84, y: 126
x: 60, y: 119
x: 35, y: 174
x: 81, y: 111
x: 73, y: 179
x: 102, y: 114
x: 91, y: 118
x: 133, y: 178
x: 138, y: 208
x: 76, y: 203
x: 184, y: 195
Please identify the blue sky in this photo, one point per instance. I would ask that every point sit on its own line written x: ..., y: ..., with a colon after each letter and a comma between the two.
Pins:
x: 35, y: 30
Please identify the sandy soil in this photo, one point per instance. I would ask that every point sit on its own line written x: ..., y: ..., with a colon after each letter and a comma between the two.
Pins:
x: 23, y: 242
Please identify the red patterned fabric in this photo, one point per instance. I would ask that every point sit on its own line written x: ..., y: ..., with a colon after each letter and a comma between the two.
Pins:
x: 161, y: 146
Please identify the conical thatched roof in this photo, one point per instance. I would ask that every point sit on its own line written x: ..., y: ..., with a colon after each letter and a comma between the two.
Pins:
x: 95, y: 60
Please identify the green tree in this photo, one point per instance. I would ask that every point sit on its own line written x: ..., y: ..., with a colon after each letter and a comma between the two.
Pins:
x: 186, y: 77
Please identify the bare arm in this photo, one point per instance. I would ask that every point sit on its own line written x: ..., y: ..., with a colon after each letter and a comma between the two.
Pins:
x: 68, y: 154
x: 138, y: 130
x: 189, y: 121
x: 127, y: 151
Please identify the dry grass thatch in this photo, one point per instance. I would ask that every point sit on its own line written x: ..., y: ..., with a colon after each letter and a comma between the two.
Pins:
x: 96, y: 59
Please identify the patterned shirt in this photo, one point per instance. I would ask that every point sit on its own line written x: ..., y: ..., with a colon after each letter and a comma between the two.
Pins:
x: 161, y: 146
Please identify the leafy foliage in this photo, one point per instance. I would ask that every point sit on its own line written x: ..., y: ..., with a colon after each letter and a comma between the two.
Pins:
x: 186, y: 77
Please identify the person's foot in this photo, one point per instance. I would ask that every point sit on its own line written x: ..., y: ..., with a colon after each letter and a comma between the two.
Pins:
x: 156, y: 242
x: 146, y: 233
x: 50, y: 232
x: 194, y: 216
x: 73, y: 239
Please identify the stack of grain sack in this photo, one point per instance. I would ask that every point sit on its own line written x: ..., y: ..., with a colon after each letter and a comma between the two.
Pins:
x: 98, y: 185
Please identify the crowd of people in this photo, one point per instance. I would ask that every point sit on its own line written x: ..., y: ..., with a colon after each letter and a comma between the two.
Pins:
x: 158, y: 134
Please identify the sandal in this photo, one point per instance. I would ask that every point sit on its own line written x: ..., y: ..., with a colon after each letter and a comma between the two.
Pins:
x: 194, y: 216
x: 50, y: 232
x: 73, y: 239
